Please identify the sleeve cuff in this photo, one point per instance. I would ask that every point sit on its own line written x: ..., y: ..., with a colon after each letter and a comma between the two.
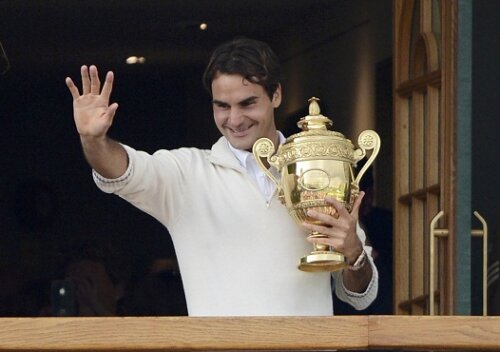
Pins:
x: 112, y: 185
x: 370, y: 285
x: 358, y: 300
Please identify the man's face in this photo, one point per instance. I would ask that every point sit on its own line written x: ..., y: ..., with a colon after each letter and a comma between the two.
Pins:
x: 243, y: 111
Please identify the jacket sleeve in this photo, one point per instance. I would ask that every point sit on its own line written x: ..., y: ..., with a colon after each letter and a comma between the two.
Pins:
x: 358, y: 301
x: 152, y: 182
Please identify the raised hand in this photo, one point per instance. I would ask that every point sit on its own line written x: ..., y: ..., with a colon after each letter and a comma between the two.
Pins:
x: 92, y: 113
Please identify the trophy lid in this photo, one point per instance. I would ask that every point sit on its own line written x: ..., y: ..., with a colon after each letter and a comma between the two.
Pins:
x: 315, y: 120
x: 315, y: 124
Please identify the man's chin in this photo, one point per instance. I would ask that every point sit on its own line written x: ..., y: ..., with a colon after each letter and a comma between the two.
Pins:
x: 241, y: 144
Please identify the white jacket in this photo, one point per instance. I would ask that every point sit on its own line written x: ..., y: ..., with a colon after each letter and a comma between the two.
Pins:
x: 238, y: 256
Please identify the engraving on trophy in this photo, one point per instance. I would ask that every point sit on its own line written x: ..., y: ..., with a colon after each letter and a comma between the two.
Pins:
x: 314, y: 180
x: 312, y: 165
x: 327, y: 149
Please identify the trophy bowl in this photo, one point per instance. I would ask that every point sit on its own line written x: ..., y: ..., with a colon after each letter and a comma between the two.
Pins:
x: 313, y: 164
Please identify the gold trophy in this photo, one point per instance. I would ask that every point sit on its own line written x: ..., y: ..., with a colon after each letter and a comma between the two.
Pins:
x: 313, y: 164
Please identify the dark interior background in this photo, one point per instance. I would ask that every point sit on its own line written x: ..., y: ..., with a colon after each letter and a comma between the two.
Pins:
x: 48, y: 198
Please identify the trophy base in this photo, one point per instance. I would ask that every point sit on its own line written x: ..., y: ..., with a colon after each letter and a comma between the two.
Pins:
x: 322, y: 261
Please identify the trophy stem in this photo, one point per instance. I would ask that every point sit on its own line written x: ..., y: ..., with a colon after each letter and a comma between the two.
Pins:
x: 322, y: 258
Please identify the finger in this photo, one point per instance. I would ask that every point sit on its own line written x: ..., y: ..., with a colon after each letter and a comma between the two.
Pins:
x: 95, y: 83
x: 85, y: 80
x: 108, y: 85
x: 317, y: 228
x: 335, y: 243
x: 322, y: 217
x: 111, y: 110
x: 338, y: 205
x: 72, y: 88
x: 357, y: 204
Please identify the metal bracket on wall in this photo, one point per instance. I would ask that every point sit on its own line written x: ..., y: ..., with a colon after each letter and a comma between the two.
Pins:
x: 436, y: 232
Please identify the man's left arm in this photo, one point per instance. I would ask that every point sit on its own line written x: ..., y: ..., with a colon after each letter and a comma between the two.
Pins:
x: 360, y: 280
x: 358, y: 275
x: 356, y: 296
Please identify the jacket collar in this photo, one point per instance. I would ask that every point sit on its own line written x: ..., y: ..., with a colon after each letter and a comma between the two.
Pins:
x: 220, y: 154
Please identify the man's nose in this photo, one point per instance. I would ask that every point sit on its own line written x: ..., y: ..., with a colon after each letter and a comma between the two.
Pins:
x: 235, y: 116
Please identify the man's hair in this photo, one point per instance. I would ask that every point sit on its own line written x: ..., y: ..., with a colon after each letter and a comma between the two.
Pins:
x: 250, y: 58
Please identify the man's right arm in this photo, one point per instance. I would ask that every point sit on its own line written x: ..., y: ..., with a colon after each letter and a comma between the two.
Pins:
x: 93, y: 117
x: 106, y: 156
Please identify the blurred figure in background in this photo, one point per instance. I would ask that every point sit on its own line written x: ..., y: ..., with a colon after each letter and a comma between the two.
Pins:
x: 90, y: 284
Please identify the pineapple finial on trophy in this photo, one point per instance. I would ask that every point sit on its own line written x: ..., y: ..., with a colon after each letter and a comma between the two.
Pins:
x: 314, y: 106
x: 315, y: 120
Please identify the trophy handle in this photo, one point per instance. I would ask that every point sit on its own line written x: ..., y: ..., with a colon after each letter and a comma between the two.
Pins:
x: 367, y: 140
x: 264, y: 148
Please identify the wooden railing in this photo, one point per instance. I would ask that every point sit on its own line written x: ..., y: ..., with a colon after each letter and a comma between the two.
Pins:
x: 250, y: 333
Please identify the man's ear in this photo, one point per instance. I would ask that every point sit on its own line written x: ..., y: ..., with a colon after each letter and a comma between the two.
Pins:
x: 277, y: 97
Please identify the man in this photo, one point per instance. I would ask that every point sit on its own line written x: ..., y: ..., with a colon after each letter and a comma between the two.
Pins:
x: 236, y: 245
x: 88, y: 283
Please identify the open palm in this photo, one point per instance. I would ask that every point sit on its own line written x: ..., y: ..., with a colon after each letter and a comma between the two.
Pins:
x: 92, y: 112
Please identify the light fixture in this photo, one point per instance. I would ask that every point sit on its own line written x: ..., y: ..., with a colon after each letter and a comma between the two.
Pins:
x: 203, y: 26
x: 135, y: 60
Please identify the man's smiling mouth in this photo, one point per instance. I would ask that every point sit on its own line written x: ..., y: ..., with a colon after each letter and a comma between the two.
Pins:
x: 239, y: 131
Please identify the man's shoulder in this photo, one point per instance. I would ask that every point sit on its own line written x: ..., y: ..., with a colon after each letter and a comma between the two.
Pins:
x: 184, y: 153
x: 219, y: 154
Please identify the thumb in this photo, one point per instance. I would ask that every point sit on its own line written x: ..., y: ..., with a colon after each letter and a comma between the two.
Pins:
x: 111, y: 110
x: 357, y: 204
